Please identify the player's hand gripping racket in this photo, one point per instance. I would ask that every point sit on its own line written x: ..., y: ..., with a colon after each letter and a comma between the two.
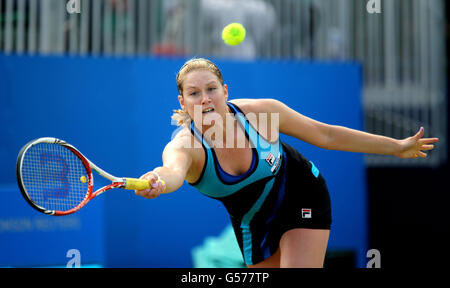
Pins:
x: 56, y: 179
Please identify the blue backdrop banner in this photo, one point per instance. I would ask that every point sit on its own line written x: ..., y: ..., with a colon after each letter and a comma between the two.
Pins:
x: 116, y: 111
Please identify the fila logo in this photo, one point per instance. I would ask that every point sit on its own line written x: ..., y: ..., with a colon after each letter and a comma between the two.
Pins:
x: 306, y: 213
x: 274, y: 162
x: 270, y: 159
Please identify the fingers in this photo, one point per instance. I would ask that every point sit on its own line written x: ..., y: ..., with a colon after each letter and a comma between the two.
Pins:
x: 148, y: 193
x: 427, y: 147
x: 428, y: 140
x: 416, y: 144
x: 420, y: 133
x: 426, y: 144
x: 421, y: 154
x: 418, y: 154
x: 151, y: 193
x: 156, y: 188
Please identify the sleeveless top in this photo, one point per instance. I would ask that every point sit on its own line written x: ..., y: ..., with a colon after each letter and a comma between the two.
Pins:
x: 214, y: 182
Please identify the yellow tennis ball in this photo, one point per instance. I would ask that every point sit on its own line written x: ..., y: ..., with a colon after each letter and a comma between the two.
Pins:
x: 83, y: 179
x: 233, y: 34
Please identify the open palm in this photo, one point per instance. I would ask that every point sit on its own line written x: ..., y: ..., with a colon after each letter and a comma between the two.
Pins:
x: 413, y: 146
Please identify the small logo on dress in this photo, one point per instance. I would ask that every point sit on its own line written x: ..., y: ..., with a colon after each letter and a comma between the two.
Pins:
x: 277, y: 163
x: 306, y: 213
x: 270, y: 159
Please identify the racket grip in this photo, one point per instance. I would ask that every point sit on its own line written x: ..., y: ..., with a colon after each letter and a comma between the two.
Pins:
x: 138, y: 184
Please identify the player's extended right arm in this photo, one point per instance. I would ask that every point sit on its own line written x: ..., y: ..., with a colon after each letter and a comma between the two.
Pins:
x: 176, y: 164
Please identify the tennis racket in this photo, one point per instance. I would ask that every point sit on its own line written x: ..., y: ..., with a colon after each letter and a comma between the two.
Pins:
x: 56, y: 179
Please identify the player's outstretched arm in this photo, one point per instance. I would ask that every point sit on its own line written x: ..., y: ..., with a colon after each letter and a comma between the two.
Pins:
x: 176, y: 163
x: 335, y: 137
x: 346, y: 139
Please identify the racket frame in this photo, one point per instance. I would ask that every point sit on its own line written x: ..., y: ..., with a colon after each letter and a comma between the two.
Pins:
x: 88, y: 165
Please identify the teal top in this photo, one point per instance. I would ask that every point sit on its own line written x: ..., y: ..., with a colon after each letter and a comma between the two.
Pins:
x: 266, y: 161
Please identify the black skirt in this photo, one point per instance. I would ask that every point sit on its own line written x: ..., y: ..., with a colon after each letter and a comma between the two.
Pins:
x: 300, y: 200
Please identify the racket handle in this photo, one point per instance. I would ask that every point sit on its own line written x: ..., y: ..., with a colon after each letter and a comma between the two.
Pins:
x: 138, y: 184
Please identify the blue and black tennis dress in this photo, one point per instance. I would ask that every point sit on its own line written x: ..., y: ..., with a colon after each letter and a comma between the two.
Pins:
x: 281, y: 191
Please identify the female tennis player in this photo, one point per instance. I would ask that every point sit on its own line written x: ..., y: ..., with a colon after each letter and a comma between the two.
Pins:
x: 230, y: 150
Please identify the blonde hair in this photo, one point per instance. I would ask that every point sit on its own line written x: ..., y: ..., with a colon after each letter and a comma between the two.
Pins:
x: 180, y: 116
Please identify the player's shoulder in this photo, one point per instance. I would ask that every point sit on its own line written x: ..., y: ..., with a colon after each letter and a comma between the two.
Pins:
x: 256, y: 105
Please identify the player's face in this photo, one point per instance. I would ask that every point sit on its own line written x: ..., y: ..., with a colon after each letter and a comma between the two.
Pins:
x: 204, y: 97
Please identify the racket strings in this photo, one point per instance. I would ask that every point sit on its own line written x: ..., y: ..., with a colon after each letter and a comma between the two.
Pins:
x: 53, y: 177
